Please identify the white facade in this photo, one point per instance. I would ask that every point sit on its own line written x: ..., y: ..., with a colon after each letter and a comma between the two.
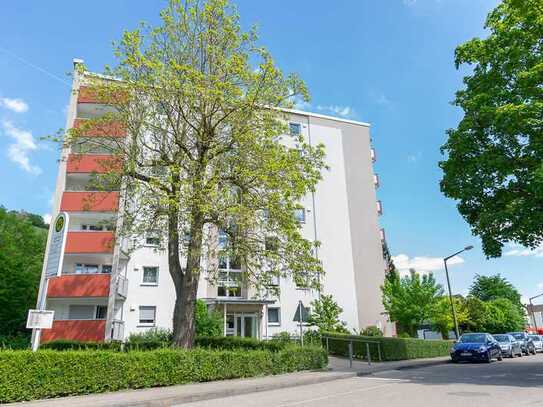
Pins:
x: 342, y: 214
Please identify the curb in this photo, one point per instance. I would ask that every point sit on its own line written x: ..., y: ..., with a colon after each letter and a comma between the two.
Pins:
x: 383, y: 369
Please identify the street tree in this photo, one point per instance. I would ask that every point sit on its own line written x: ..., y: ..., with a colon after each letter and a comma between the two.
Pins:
x: 325, y: 313
x: 442, y: 319
x: 204, y: 166
x: 411, y: 300
x: 488, y: 288
x: 494, y: 157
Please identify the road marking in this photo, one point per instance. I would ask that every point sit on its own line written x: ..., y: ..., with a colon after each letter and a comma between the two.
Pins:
x: 329, y: 396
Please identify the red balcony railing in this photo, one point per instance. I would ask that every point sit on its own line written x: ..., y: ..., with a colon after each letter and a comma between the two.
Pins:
x: 89, y: 201
x: 111, y: 129
x: 89, y: 242
x: 79, y: 285
x: 76, y: 329
x: 87, y: 163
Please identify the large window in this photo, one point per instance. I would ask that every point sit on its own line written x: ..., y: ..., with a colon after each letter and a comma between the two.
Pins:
x: 86, y: 268
x: 295, y: 129
x: 274, y: 316
x: 150, y: 276
x: 299, y: 215
x: 81, y: 312
x: 147, y: 315
x: 101, y: 312
x: 229, y: 284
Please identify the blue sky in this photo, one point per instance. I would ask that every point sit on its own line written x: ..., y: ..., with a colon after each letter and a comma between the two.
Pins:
x: 387, y: 62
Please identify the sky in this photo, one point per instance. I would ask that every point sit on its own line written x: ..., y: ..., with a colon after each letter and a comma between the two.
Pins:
x: 386, y: 62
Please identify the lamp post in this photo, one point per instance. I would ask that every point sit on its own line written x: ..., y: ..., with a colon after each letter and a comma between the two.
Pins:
x: 532, y: 310
x: 456, y: 331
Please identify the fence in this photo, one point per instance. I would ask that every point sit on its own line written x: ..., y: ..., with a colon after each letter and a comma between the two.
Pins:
x: 350, y: 347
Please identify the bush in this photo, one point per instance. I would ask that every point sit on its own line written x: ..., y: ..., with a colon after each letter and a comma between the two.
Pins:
x: 391, y: 348
x: 156, y: 338
x: 371, y: 330
x: 208, y: 323
x: 283, y: 337
x: 237, y: 342
x: 25, y: 375
x: 15, y: 342
x: 67, y: 344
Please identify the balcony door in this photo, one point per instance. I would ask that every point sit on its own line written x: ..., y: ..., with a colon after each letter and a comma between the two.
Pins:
x: 244, y: 325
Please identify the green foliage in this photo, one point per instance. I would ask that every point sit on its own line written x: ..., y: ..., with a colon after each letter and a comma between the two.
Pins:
x: 493, y: 288
x: 411, y: 300
x: 65, y: 344
x: 442, y: 319
x: 283, y: 337
x: 19, y: 341
x: 495, y: 316
x: 151, y: 339
x: 237, y: 342
x: 325, y: 314
x: 391, y: 348
x: 494, y: 158
x: 22, y: 246
x: 208, y: 323
x: 371, y: 330
x: 28, y: 376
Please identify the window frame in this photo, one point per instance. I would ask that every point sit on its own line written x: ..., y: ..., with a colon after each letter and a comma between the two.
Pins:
x: 295, y: 124
x: 139, y: 315
x: 272, y: 323
x: 145, y: 283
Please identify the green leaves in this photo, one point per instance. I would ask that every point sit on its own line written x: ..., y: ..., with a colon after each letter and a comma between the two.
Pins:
x: 494, y: 156
x: 325, y: 314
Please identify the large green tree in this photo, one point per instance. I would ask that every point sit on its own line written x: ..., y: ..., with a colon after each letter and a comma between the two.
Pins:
x: 411, y: 300
x: 204, y: 167
x: 488, y: 288
x: 494, y: 158
x: 22, y: 247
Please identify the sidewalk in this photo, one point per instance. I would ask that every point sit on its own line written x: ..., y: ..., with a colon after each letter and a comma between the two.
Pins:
x: 168, y: 396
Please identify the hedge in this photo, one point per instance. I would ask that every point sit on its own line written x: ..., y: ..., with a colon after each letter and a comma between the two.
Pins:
x: 391, y: 348
x: 237, y: 342
x: 67, y: 344
x: 25, y: 375
x: 15, y: 342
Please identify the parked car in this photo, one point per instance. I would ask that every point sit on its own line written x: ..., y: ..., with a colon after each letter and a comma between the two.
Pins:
x: 509, y: 345
x: 526, y: 342
x: 477, y: 347
x: 538, y: 342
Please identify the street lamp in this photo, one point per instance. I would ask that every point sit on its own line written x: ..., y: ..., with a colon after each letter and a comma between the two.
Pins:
x: 456, y: 331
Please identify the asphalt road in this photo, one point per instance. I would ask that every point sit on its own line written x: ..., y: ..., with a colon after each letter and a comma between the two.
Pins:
x: 513, y: 382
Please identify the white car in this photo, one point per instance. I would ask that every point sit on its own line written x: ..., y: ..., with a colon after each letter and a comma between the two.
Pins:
x: 538, y: 342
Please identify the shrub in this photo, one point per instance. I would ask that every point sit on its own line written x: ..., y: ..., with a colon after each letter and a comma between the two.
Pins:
x: 208, y: 323
x: 283, y: 337
x: 15, y: 342
x: 155, y: 338
x: 391, y: 348
x: 371, y: 330
x: 67, y: 344
x: 237, y: 342
x: 25, y: 375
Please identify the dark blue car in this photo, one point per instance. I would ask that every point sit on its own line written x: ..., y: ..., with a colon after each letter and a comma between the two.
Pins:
x: 476, y: 347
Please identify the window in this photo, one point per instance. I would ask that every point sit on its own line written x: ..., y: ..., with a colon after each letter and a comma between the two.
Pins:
x: 299, y: 215
x: 101, y: 311
x: 152, y: 241
x: 295, y: 129
x: 86, y: 268
x: 106, y: 268
x: 147, y: 315
x: 274, y: 316
x: 150, y: 276
x: 229, y: 284
x: 81, y: 312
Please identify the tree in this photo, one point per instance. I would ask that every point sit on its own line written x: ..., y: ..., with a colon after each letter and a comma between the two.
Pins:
x: 442, y: 319
x: 488, y: 288
x: 325, y: 314
x: 494, y: 316
x: 22, y: 246
x: 494, y: 156
x: 208, y: 322
x: 411, y: 300
x: 389, y: 263
x: 203, y: 166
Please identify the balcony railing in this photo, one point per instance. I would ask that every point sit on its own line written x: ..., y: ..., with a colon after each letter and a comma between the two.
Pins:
x: 373, y: 155
x: 376, y: 182
x: 379, y: 208
x: 105, y: 129
x: 122, y: 286
x: 78, y: 285
x: 89, y: 163
x: 89, y: 242
x: 89, y: 201
x: 92, y: 330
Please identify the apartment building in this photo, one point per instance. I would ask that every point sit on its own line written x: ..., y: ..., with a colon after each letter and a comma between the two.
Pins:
x: 100, y: 292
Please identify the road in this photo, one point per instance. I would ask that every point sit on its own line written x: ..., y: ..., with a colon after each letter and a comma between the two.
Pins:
x: 513, y: 382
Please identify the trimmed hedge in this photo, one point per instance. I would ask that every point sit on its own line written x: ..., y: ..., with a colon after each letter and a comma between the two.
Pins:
x: 391, y: 348
x: 66, y: 344
x: 28, y: 376
x: 237, y: 342
x: 15, y: 342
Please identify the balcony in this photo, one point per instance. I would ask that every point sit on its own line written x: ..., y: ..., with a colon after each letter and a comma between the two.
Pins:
x: 117, y: 330
x: 79, y: 285
x: 89, y: 201
x: 122, y: 286
x: 111, y: 129
x: 379, y: 207
x: 76, y: 329
x: 373, y: 155
x: 376, y: 182
x: 86, y: 95
x: 89, y: 242
x: 89, y: 163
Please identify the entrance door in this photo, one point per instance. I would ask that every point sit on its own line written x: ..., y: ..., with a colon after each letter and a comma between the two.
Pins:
x: 245, y: 325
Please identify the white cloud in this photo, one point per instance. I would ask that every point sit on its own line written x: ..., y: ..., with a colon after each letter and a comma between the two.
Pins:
x: 343, y: 111
x: 18, y: 152
x: 521, y: 251
x: 47, y: 218
x: 422, y: 264
x: 15, y: 105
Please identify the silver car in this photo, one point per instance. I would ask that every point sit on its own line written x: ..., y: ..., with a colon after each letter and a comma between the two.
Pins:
x: 509, y: 345
x: 538, y: 342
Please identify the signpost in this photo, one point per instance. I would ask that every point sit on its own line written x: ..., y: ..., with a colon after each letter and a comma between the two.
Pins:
x: 301, y: 315
x: 41, y: 318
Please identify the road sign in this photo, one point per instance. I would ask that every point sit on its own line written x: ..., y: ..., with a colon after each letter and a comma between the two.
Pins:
x: 56, y: 246
x: 40, y: 319
x: 301, y: 311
